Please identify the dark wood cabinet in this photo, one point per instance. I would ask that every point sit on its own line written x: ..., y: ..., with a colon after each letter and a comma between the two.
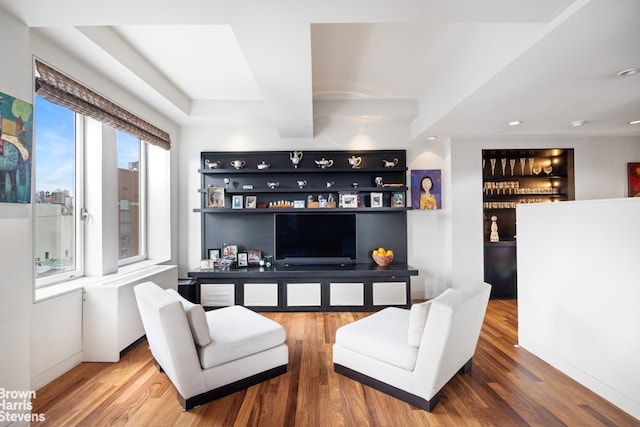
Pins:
x: 252, y: 187
x: 511, y: 178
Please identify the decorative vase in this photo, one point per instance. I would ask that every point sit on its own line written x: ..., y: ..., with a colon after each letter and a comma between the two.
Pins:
x: 494, y: 237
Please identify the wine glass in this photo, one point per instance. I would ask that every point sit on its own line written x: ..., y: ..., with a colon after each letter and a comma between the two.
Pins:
x: 512, y: 163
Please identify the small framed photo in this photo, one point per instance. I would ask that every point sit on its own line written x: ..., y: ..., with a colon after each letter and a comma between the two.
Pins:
x: 243, y: 259
x: 298, y: 204
x: 254, y: 257
x: 215, y: 197
x: 231, y: 252
x: 236, y: 202
x: 214, y: 254
x: 348, y: 200
x: 397, y: 200
x: 207, y: 264
x: 376, y: 200
x: 250, y: 202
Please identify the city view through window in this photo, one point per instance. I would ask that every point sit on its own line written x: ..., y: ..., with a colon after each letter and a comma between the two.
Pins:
x: 58, y: 182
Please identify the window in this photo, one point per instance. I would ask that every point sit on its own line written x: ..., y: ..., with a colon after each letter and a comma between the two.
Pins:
x: 57, y: 189
x: 130, y: 191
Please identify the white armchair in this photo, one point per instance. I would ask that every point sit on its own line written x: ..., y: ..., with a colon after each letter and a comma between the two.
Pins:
x: 412, y: 354
x: 207, y: 355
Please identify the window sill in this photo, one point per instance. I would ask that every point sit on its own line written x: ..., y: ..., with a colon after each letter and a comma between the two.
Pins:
x: 127, y: 272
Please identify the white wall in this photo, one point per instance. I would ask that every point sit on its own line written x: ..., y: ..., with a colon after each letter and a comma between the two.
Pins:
x: 578, y: 293
x: 16, y: 251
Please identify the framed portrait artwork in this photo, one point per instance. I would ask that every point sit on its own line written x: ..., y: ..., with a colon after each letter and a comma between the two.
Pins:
x: 633, y: 178
x: 250, y: 202
x: 215, y: 197
x: 426, y: 189
x: 236, y: 202
x: 376, y: 200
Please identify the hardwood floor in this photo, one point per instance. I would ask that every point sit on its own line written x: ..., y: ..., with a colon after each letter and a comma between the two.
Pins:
x: 506, y: 387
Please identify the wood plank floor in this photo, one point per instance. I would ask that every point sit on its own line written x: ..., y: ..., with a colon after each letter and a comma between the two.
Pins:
x: 506, y: 387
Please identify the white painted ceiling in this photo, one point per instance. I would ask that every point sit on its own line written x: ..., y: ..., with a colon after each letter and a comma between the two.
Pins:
x: 446, y: 67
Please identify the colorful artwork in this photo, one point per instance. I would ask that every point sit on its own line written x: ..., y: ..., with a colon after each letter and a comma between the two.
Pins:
x: 426, y: 189
x: 633, y: 170
x: 16, y: 121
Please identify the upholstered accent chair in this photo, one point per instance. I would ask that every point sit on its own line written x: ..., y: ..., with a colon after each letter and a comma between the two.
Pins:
x: 207, y: 355
x: 412, y: 354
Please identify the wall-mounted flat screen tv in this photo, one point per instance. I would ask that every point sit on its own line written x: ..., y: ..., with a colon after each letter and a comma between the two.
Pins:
x: 315, y: 238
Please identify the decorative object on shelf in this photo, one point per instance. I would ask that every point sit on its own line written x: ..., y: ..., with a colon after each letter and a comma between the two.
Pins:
x: 355, y: 161
x: 226, y: 182
x: 230, y: 252
x: 254, y: 257
x: 382, y: 256
x: 522, y: 163
x: 215, y: 197
x: 547, y: 169
x: 273, y: 185
x: 207, y: 264
x: 348, y: 200
x: 324, y: 163
x: 376, y: 200
x: 238, y: 164
x: 212, y: 165
x: 214, y: 254
x: 537, y: 170
x: 247, y: 187
x: 633, y: 179
x: 397, y: 200
x: 329, y: 184
x: 281, y: 204
x: 503, y: 162
x: 251, y: 202
x: 225, y: 263
x: 302, y: 183
x: 390, y: 163
x: 236, y: 202
x: 243, y: 259
x: 331, y: 201
x: 295, y: 158
x: 494, y: 237
x: 512, y: 163
x: 322, y: 201
x: 263, y: 165
x: 426, y: 189
x: 354, y: 184
x: 378, y: 181
x: 493, y: 166
x: 298, y: 204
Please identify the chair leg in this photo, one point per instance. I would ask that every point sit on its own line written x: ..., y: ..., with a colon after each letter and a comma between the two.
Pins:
x: 466, y: 367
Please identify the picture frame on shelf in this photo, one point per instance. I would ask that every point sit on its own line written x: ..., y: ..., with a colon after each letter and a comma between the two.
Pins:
x: 207, y: 264
x: 236, y: 202
x: 230, y: 251
x: 254, y: 257
x: 633, y: 179
x: 348, y: 200
x: 397, y: 200
x: 376, y: 200
x: 298, y: 204
x: 251, y: 202
x: 215, y: 197
x: 214, y: 254
x: 426, y: 189
x: 243, y: 259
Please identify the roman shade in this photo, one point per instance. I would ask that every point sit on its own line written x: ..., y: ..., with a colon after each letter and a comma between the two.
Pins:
x: 58, y: 88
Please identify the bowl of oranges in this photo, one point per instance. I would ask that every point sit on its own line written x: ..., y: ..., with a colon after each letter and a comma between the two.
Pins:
x: 382, y: 256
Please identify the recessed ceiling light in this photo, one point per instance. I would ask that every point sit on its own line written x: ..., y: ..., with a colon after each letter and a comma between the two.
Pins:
x: 515, y: 123
x: 634, y: 122
x: 431, y: 138
x: 578, y: 123
x: 628, y: 72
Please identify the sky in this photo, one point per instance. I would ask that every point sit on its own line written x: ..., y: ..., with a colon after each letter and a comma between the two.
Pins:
x: 55, y: 147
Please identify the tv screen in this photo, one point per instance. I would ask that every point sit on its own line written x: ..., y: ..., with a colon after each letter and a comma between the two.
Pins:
x: 318, y: 236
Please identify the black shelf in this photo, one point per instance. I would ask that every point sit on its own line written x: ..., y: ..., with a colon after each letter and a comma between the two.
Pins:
x: 271, y: 211
x: 300, y: 170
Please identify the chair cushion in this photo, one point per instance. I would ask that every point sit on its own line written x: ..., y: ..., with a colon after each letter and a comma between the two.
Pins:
x: 417, y: 319
x: 381, y: 336
x: 237, y: 332
x: 196, y: 317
